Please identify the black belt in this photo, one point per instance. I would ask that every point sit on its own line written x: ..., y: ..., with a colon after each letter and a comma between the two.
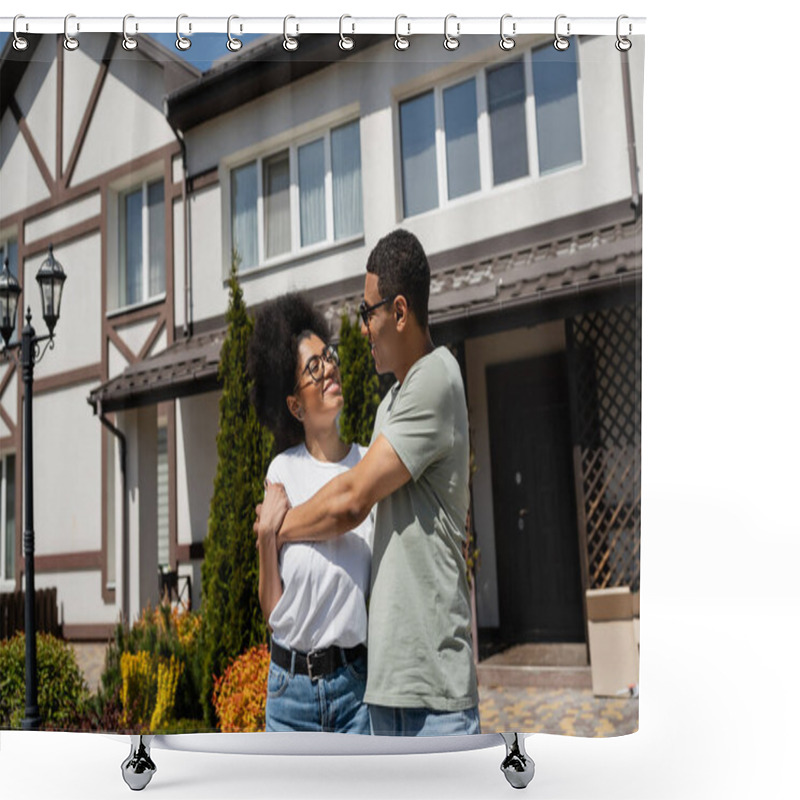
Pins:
x: 318, y: 663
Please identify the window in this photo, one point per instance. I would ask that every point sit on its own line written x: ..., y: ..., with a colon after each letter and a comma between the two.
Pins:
x: 488, y: 130
x: 558, y: 128
x: 305, y: 195
x: 8, y: 519
x: 142, y: 258
x: 162, y: 483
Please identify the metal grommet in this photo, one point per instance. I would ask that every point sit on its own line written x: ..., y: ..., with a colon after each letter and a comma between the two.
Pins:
x: 401, y: 42
x: 289, y: 43
x: 181, y: 42
x: 20, y: 42
x: 506, y: 42
x: 346, y: 42
x: 127, y: 42
x: 451, y: 42
x: 233, y: 44
x: 70, y: 43
x: 623, y: 44
x: 560, y: 42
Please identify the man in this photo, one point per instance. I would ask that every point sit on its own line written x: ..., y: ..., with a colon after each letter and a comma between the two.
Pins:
x: 421, y: 675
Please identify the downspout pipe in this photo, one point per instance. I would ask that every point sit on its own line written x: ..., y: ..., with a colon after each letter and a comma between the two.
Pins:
x: 627, y: 94
x: 187, y: 272
x: 123, y: 466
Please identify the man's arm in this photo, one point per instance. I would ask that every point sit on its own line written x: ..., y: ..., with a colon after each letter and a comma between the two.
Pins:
x: 344, y: 502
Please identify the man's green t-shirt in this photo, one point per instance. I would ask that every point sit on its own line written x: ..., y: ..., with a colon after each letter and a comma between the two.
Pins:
x: 420, y: 642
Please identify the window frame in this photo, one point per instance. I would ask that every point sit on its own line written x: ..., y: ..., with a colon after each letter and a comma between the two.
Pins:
x: 292, y: 145
x: 483, y: 126
x: 116, y: 303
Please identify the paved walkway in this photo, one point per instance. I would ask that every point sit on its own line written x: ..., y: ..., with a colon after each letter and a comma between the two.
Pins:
x: 576, y: 712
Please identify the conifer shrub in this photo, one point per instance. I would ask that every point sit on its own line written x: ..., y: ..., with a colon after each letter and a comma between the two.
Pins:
x: 231, y: 614
x: 359, y: 384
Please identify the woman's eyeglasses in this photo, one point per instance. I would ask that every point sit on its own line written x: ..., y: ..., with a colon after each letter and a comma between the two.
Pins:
x: 315, y: 366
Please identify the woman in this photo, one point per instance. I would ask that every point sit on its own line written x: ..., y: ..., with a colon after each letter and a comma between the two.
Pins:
x: 312, y: 594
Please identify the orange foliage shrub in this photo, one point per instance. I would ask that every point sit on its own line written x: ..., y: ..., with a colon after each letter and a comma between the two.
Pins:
x: 241, y: 693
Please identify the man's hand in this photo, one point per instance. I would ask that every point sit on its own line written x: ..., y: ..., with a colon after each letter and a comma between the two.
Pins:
x: 270, y: 512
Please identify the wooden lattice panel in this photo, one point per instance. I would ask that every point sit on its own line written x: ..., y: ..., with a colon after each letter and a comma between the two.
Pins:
x: 606, y: 358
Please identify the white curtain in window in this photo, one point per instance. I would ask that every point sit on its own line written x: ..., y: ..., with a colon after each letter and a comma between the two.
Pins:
x: 348, y: 216
x: 277, y: 210
x: 155, y: 230
x: 506, y: 93
x: 244, y: 218
x: 311, y: 167
x: 555, y: 89
x: 131, y: 254
x: 461, y: 136
x: 418, y: 147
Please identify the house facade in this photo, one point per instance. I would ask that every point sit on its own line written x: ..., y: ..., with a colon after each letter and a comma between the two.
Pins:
x: 520, y: 172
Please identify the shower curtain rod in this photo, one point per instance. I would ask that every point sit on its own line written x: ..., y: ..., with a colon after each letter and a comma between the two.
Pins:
x: 346, y: 24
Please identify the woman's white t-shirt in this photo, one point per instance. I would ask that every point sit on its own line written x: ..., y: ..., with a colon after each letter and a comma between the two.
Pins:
x: 324, y: 583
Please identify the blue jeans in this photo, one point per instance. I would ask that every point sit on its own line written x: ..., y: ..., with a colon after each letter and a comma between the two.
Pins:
x: 334, y: 704
x: 387, y: 721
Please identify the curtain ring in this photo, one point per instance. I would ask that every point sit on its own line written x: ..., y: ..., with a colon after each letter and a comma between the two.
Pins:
x: 20, y: 42
x: 346, y: 42
x: 288, y: 42
x: 401, y: 42
x: 182, y: 43
x: 451, y: 42
x: 233, y: 44
x: 506, y: 42
x: 623, y: 44
x: 560, y: 42
x: 70, y: 43
x: 127, y: 42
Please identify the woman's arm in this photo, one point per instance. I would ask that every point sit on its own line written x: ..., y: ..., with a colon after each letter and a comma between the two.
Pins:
x: 270, y: 513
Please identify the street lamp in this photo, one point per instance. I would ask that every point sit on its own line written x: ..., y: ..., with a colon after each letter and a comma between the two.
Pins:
x: 27, y: 353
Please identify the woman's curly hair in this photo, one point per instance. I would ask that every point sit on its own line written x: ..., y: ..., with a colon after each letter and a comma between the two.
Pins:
x: 280, y: 325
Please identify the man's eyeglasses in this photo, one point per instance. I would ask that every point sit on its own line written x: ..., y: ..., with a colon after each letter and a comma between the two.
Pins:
x: 315, y: 365
x: 365, y: 311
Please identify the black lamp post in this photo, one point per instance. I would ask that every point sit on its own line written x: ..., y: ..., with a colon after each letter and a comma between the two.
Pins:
x: 26, y: 352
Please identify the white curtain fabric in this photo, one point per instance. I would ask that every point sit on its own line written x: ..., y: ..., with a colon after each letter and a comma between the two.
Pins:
x: 311, y: 169
x: 277, y: 209
x: 348, y: 216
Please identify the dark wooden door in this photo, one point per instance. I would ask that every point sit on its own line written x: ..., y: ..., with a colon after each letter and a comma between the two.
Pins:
x: 538, y: 568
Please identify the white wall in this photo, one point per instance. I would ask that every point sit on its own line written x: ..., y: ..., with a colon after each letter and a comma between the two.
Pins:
x: 67, y: 476
x: 78, y: 332
x: 480, y: 353
x: 197, y: 422
x: 79, y: 596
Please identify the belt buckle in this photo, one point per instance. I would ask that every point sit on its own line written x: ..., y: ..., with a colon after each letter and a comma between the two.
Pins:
x: 310, y: 666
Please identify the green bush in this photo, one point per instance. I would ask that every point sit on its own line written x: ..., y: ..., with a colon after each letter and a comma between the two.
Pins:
x: 360, y: 384
x: 62, y: 692
x: 231, y: 613
x: 164, y: 632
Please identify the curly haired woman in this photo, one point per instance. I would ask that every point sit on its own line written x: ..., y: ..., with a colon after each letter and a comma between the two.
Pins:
x: 312, y: 594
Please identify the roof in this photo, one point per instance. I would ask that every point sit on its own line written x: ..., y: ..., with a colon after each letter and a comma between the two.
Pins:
x: 254, y: 71
x: 537, y: 273
x: 188, y: 366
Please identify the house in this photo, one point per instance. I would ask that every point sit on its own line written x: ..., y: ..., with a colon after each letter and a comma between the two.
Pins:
x: 519, y: 171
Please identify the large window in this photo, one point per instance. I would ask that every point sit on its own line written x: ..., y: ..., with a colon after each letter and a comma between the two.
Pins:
x: 141, y: 235
x: 304, y: 195
x: 8, y: 519
x: 509, y: 121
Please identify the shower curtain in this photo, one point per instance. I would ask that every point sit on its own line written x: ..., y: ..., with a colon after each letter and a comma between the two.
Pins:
x: 179, y: 193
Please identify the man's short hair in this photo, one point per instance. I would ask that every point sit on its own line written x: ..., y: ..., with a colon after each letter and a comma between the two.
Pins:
x: 402, y: 268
